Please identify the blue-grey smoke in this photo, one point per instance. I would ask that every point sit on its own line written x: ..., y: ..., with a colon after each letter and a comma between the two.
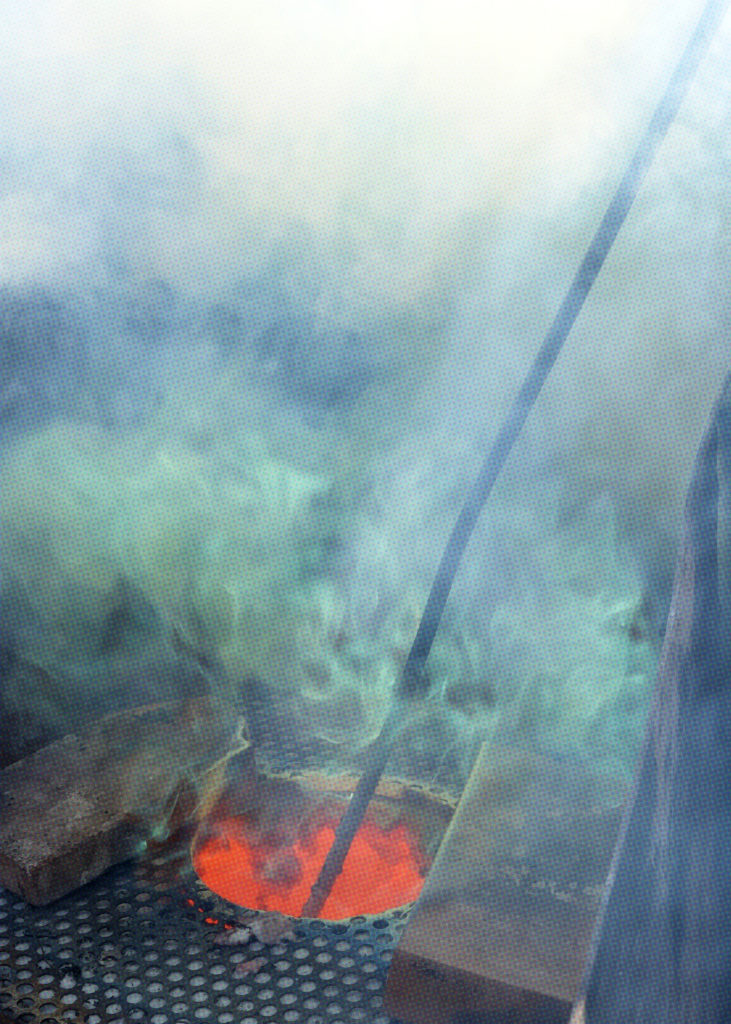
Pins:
x: 267, y: 283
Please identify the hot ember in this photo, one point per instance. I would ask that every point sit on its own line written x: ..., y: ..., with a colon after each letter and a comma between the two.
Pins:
x: 268, y: 857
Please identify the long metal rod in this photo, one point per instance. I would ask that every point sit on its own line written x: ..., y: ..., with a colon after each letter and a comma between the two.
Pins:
x: 413, y: 682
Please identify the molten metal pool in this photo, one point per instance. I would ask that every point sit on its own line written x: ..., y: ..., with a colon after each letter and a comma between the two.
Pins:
x: 266, y: 854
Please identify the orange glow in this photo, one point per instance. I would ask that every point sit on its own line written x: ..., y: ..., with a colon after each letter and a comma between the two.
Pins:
x: 384, y: 868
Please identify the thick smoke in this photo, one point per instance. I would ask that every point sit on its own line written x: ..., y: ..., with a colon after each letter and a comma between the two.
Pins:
x: 268, y: 282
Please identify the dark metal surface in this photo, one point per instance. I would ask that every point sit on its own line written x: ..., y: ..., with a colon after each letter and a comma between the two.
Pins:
x: 662, y: 950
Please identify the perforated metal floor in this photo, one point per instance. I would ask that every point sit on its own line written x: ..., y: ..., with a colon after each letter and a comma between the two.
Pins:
x: 121, y: 950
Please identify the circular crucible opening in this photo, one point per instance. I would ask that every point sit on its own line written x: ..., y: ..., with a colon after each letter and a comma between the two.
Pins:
x: 262, y: 848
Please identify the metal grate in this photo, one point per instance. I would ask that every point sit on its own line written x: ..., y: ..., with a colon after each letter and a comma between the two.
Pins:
x: 129, y: 948
x: 138, y: 945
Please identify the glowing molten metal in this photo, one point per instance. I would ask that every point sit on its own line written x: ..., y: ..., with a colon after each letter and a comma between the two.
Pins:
x: 384, y: 869
x: 267, y: 856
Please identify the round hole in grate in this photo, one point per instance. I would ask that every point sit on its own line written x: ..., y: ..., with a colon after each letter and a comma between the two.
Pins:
x: 263, y: 849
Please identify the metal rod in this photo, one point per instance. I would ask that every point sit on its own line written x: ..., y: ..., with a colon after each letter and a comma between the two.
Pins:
x: 413, y: 682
